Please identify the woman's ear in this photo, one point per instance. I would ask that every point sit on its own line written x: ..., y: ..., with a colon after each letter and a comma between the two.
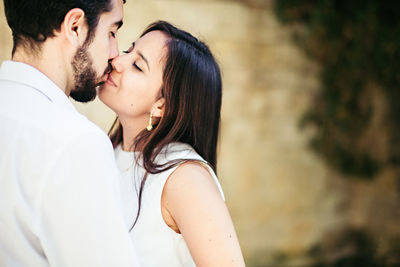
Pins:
x: 74, y: 27
x: 158, y: 108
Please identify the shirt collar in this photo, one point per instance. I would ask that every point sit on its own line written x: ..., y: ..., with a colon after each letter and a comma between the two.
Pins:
x: 25, y: 74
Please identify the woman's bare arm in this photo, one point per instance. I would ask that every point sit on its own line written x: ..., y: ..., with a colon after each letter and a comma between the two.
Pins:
x: 192, y: 205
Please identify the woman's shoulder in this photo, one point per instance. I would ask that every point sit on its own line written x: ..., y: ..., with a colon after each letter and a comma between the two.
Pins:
x: 191, y: 183
x: 189, y: 190
x: 193, y: 172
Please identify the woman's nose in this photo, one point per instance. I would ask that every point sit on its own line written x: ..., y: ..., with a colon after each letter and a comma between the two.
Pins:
x: 117, y: 63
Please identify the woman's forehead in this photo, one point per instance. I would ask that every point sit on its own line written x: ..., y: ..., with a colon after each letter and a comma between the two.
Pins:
x: 152, y: 45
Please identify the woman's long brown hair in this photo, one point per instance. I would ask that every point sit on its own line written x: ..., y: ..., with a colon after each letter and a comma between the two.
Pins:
x: 192, y: 90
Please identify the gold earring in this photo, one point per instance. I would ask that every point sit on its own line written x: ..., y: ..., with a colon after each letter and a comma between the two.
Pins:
x: 150, y: 126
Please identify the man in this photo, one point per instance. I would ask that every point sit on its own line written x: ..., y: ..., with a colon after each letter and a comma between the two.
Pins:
x: 59, y: 197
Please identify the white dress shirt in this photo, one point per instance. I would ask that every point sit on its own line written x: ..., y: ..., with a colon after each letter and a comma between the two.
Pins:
x: 60, y: 202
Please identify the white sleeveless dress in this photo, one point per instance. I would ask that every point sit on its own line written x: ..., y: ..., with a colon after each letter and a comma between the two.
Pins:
x: 156, y: 243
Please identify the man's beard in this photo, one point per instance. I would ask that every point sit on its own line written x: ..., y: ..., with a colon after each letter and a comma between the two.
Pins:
x: 84, y: 75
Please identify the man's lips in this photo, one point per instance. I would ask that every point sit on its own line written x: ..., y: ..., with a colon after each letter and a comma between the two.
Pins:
x: 110, y: 80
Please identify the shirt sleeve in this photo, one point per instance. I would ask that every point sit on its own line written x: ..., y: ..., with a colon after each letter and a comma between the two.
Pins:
x: 80, y: 218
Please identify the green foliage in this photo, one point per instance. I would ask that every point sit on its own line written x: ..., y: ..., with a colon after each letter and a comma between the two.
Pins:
x: 354, y: 247
x: 356, y: 43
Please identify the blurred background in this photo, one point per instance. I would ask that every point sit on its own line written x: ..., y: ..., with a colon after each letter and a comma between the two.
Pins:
x: 310, y: 143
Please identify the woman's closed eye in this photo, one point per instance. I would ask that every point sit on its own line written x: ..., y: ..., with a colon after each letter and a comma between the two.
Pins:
x: 134, y: 63
x: 137, y: 67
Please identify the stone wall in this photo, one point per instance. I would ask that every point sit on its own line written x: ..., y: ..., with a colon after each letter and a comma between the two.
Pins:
x: 283, y: 198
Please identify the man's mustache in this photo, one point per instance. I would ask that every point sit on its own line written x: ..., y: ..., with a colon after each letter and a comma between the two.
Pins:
x: 106, y: 71
x: 109, y: 68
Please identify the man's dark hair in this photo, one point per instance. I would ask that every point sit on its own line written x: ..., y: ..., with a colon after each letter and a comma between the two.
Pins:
x: 33, y: 21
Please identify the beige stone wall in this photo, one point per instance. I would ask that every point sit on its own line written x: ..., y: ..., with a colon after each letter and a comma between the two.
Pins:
x: 282, y: 197
x: 5, y: 36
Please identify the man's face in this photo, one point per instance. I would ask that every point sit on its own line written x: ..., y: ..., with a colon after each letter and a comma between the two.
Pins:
x: 90, y: 63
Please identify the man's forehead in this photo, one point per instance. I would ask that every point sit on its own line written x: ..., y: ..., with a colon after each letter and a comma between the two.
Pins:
x: 115, y: 15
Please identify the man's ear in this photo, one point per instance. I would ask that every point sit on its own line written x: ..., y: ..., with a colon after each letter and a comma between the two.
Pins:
x: 74, y: 27
x: 158, y: 108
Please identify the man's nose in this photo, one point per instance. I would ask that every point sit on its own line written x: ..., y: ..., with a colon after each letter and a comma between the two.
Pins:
x: 113, y: 50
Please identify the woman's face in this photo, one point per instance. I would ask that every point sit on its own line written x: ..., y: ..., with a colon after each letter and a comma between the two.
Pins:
x: 134, y: 85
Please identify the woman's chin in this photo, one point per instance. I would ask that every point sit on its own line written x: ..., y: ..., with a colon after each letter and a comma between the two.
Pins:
x: 100, y: 92
x: 102, y: 95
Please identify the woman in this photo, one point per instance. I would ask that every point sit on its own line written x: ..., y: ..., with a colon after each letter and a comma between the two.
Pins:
x: 166, y: 91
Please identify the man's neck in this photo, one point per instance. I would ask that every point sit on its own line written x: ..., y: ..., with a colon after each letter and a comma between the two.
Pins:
x: 49, y: 62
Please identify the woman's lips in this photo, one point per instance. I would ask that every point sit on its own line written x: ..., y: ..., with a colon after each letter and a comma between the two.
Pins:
x: 110, y: 80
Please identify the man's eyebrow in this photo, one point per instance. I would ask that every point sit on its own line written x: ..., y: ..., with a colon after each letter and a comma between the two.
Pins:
x: 141, y: 55
x: 118, y: 24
